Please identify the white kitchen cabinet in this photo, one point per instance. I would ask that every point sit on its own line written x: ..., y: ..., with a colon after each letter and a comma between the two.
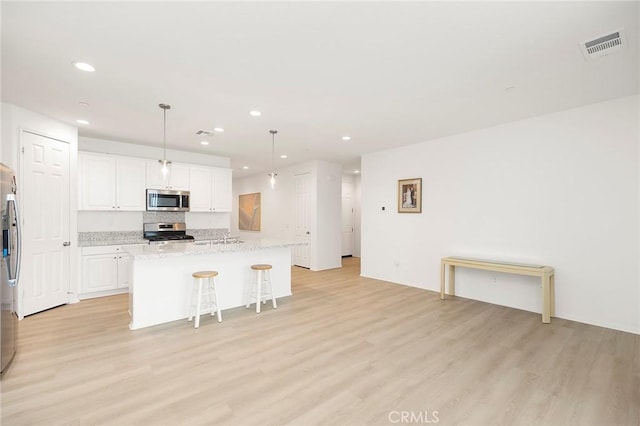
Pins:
x: 221, y: 189
x: 108, y: 182
x: 105, y: 270
x: 210, y: 189
x: 177, y: 178
x: 97, y: 180
x: 200, y: 189
x: 130, y: 184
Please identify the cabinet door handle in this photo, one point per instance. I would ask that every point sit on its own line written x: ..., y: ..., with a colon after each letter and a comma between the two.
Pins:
x: 66, y: 243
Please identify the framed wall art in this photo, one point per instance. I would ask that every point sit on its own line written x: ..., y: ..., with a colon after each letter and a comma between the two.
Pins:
x: 249, y: 212
x: 410, y: 195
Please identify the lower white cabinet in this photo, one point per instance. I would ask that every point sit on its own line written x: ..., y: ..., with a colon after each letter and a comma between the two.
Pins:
x: 105, y: 271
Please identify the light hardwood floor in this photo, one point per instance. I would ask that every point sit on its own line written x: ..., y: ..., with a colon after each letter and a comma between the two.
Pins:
x: 343, y: 350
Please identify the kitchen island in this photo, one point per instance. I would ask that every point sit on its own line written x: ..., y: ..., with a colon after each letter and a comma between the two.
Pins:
x: 160, y: 285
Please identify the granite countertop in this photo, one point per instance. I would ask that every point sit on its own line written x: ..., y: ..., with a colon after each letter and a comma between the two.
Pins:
x: 203, y: 247
x: 93, y: 239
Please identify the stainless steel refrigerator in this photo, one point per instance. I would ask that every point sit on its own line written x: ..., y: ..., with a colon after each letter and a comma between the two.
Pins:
x: 10, y: 266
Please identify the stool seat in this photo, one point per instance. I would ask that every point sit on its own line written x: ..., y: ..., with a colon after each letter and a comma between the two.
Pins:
x: 261, y: 267
x: 261, y: 286
x: 204, y: 279
x: 205, y: 274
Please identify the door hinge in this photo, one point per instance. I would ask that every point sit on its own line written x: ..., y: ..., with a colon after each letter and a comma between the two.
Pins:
x: 22, y: 149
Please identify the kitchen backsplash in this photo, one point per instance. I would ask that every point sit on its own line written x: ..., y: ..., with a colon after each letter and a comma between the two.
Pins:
x: 153, y: 217
x: 207, y: 234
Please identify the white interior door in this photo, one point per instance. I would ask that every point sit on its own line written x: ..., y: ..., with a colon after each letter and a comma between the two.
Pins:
x: 301, y: 254
x: 45, y: 212
x: 347, y: 220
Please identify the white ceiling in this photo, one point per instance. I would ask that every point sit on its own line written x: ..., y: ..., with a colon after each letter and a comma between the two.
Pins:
x: 385, y: 73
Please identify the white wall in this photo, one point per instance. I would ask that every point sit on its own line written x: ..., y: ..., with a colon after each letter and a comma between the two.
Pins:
x: 278, y: 209
x: 277, y: 205
x: 328, y: 229
x: 143, y: 151
x: 561, y: 190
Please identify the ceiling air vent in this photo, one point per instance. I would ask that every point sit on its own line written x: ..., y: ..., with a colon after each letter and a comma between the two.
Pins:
x: 205, y: 132
x: 604, y: 45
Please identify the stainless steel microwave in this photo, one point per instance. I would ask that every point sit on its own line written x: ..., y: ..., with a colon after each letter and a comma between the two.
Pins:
x: 166, y: 200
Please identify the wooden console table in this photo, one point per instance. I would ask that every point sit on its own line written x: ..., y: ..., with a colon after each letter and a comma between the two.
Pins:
x: 545, y: 273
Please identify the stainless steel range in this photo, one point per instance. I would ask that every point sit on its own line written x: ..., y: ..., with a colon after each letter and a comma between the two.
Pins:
x: 165, y: 232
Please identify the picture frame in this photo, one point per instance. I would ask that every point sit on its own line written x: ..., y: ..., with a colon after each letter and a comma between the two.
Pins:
x: 410, y: 195
x: 249, y: 212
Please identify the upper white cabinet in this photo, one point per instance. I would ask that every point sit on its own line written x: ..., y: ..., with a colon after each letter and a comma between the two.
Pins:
x: 221, y: 189
x: 201, y: 189
x: 177, y: 178
x: 116, y: 183
x: 130, y: 184
x: 210, y: 189
x: 111, y: 183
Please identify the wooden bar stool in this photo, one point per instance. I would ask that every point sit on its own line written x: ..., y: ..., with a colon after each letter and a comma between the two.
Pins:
x: 261, y: 286
x: 197, y: 295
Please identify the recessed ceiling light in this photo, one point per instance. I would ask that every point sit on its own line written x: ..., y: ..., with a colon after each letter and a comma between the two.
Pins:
x: 204, y: 143
x: 255, y: 113
x: 510, y: 88
x: 84, y: 104
x: 356, y: 172
x: 218, y: 129
x: 283, y: 156
x: 245, y: 167
x: 84, y: 66
x: 82, y: 122
x: 346, y: 138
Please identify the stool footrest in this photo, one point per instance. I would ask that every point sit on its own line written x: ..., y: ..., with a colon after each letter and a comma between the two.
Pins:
x: 261, y: 289
x: 198, y: 294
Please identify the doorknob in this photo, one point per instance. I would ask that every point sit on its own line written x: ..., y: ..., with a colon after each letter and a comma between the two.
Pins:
x: 308, y: 233
x: 66, y: 243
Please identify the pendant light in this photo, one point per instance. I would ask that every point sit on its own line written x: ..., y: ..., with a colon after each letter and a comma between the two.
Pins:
x: 164, y: 163
x: 273, y: 174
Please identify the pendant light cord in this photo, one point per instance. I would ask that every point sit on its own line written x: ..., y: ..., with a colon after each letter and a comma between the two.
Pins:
x: 273, y: 149
x: 164, y: 108
x: 273, y: 174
